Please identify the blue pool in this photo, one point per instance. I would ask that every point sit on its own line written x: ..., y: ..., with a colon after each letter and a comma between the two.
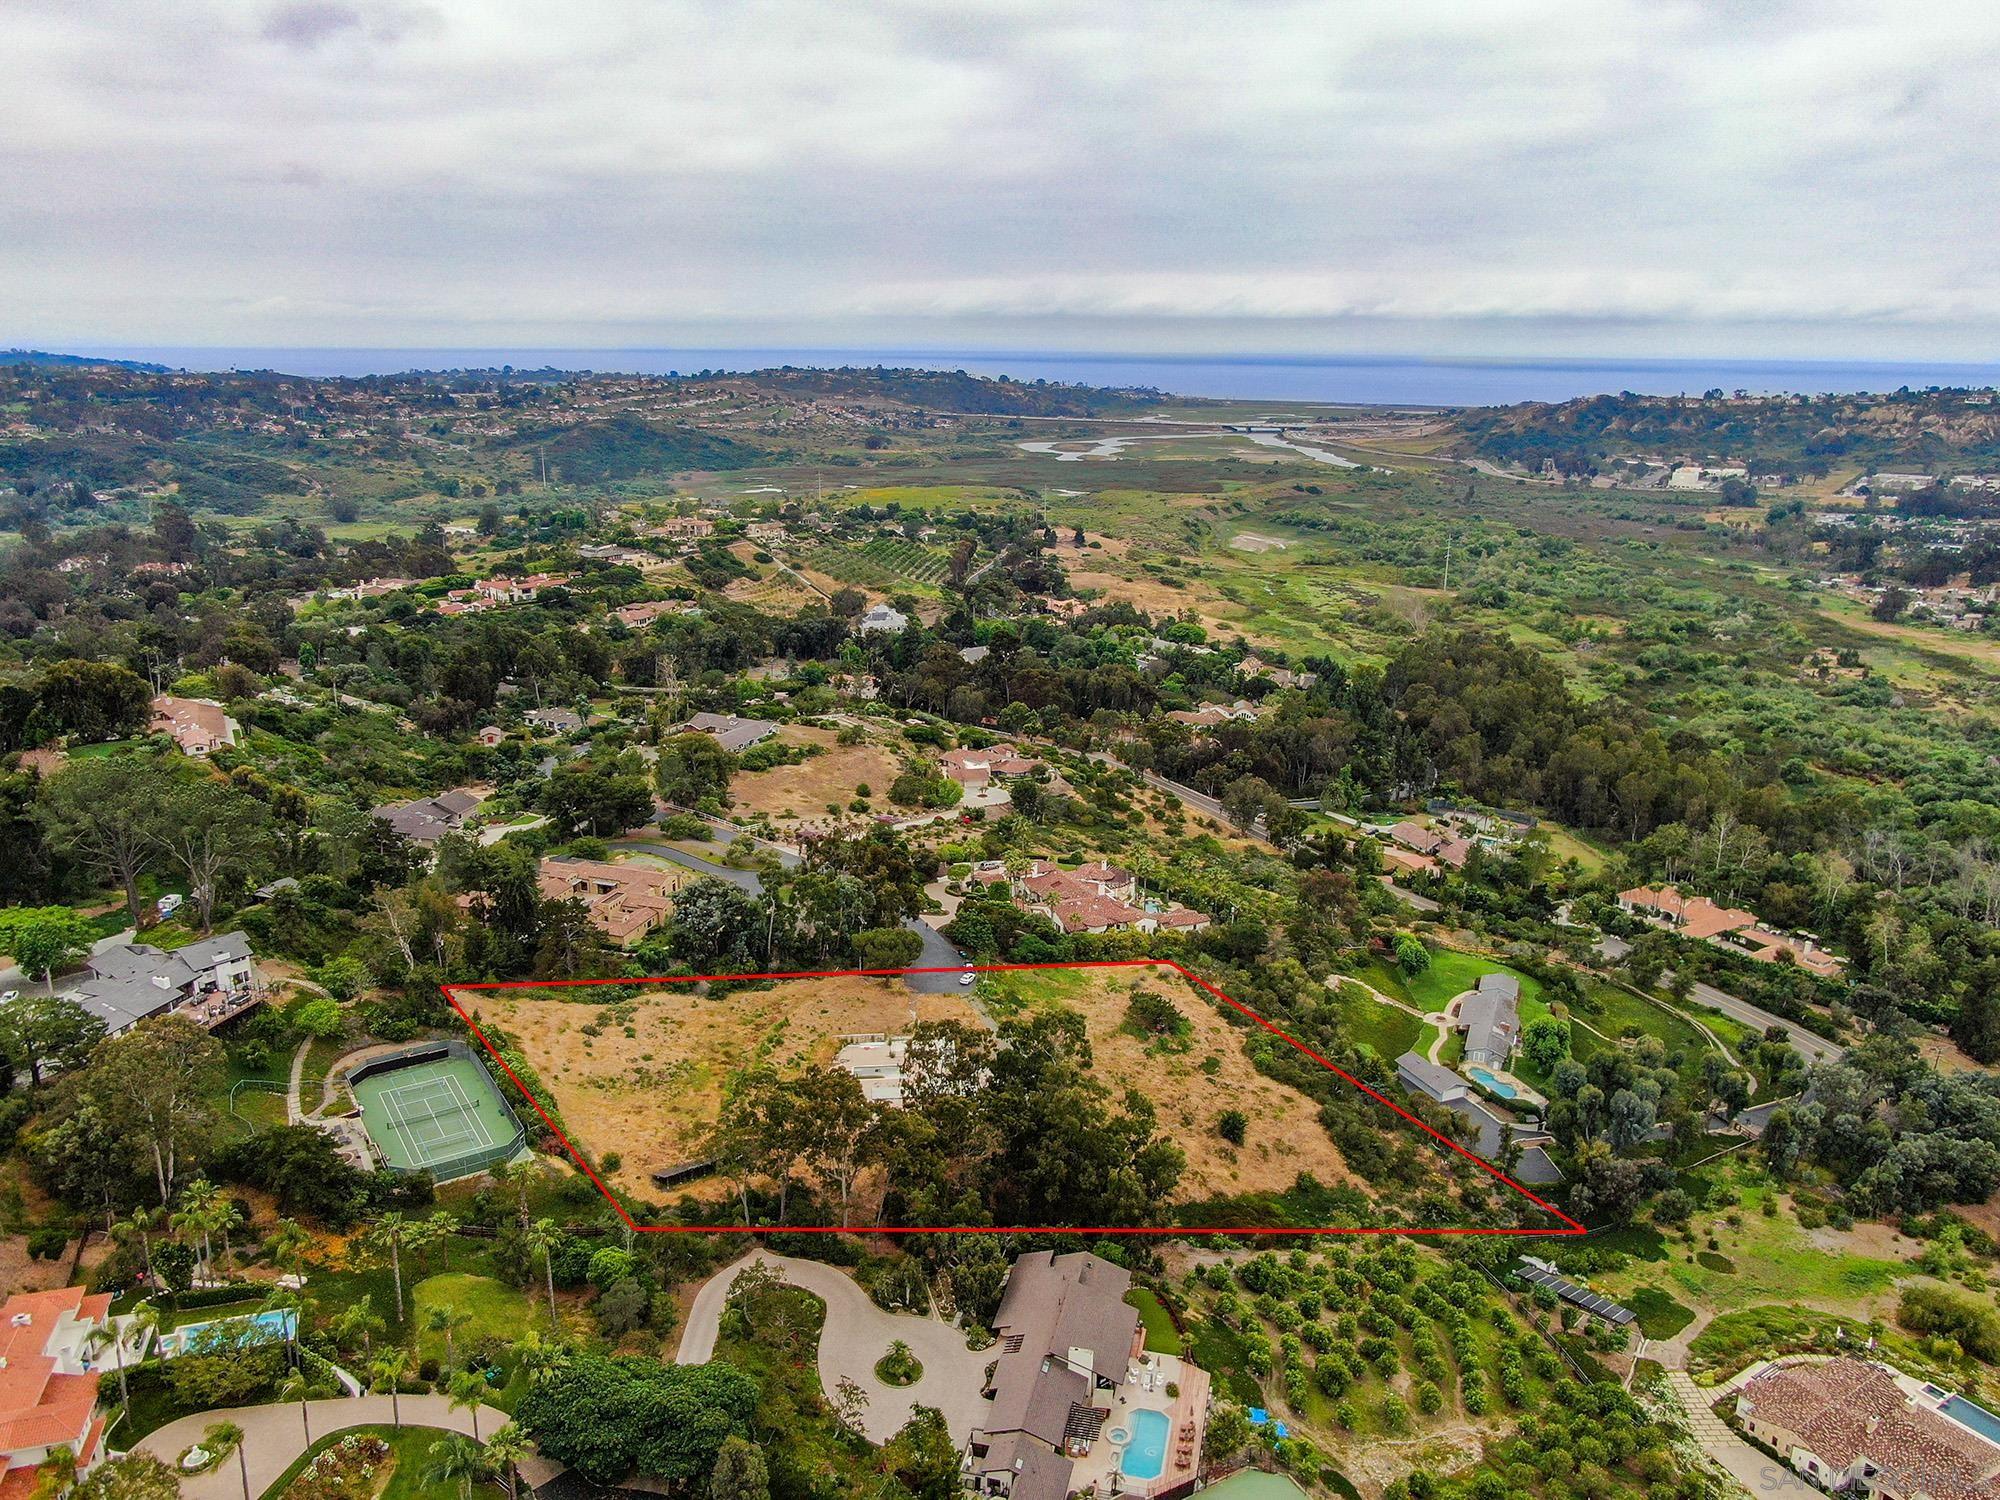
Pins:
x: 1972, y: 1414
x: 1491, y: 1084
x: 1146, y: 1454
x: 263, y: 1328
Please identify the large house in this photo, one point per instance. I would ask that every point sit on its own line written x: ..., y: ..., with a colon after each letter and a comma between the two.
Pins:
x: 883, y: 617
x: 426, y: 820
x: 731, y: 733
x: 1071, y: 1362
x: 1093, y: 898
x: 626, y: 902
x: 197, y: 725
x: 1853, y: 1427
x: 639, y: 616
x: 1446, y: 848
x: 48, y: 1383
x: 1728, y: 927
x: 1489, y: 1015
x: 1420, y: 1076
x: 974, y: 768
x: 208, y: 981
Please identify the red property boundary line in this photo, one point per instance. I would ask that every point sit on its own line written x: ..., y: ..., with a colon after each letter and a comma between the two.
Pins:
x: 452, y: 991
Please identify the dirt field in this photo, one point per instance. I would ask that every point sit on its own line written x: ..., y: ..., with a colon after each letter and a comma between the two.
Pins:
x: 650, y: 1096
x: 1285, y: 1136
x: 799, y: 794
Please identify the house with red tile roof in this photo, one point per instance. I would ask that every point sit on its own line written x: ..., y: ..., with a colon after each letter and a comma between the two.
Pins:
x: 48, y: 1383
x: 974, y: 768
x: 197, y: 724
x: 1849, y: 1424
x: 1728, y: 927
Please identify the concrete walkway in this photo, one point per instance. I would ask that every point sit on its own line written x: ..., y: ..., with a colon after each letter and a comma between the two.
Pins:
x: 1757, y: 1472
x: 273, y: 1438
x: 856, y: 1334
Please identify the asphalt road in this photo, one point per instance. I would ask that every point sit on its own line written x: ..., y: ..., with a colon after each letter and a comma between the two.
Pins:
x: 1810, y: 1045
x: 937, y: 953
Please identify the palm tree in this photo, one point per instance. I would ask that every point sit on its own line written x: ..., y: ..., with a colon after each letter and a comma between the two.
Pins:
x: 359, y: 1320
x: 504, y: 1450
x: 199, y: 1214
x: 544, y: 1237
x: 390, y: 1230
x: 108, y: 1335
x: 453, y: 1459
x: 538, y: 1356
x: 447, y: 1320
x: 218, y: 1436
x: 296, y: 1387
x: 386, y: 1374
x: 467, y: 1388
x: 139, y: 1225
x: 142, y: 1322
x: 518, y: 1175
x: 227, y: 1217
x: 288, y: 1244
x: 440, y: 1227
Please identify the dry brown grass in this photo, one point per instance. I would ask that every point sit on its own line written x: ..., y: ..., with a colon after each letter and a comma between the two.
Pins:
x: 1285, y: 1136
x: 651, y: 1095
x: 795, y: 794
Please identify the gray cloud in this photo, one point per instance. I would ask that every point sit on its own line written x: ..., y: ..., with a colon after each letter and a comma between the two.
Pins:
x: 1516, y: 174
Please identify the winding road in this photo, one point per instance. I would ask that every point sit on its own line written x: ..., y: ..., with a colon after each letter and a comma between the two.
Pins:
x: 273, y: 1437
x: 856, y: 1334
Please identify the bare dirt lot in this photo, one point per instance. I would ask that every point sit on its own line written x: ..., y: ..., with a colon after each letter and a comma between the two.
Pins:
x: 800, y: 794
x: 649, y: 1095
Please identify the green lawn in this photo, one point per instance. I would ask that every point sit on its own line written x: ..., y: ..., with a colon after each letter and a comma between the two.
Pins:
x: 1451, y: 973
x: 409, y: 1448
x: 1389, y: 1031
x: 1761, y: 1260
x: 498, y: 1312
x: 1660, y: 1316
x: 1161, y: 1335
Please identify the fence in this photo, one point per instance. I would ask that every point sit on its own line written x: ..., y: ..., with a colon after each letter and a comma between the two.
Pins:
x: 256, y: 1086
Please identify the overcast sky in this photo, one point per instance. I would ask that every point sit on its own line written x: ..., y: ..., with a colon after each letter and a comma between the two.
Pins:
x: 1424, y: 176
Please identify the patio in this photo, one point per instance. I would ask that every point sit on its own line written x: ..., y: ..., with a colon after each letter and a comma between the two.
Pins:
x: 1100, y: 1472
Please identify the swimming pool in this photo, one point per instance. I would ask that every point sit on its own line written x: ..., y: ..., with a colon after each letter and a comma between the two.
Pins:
x: 1145, y: 1457
x: 1972, y: 1414
x: 1491, y: 1084
x: 261, y: 1328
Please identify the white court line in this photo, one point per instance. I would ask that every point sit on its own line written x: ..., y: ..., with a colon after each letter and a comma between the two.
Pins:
x: 469, y: 1131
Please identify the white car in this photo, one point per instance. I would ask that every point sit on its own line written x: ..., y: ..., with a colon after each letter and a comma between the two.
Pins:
x: 169, y: 904
x: 966, y: 979
x: 6, y: 995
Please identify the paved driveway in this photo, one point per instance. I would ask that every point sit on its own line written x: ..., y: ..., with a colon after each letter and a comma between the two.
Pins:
x: 937, y: 953
x: 1757, y: 1472
x: 857, y: 1333
x: 273, y: 1438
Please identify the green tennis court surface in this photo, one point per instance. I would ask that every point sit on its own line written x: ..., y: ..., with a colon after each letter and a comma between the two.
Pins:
x: 443, y: 1115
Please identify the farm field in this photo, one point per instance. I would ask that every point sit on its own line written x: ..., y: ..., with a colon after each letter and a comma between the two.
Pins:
x: 881, y: 563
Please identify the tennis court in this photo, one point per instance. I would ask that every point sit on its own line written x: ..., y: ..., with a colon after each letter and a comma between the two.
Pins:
x: 434, y: 1108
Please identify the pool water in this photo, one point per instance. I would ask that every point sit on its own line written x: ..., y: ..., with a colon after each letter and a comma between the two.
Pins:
x: 1972, y: 1414
x: 1493, y: 1085
x: 1145, y: 1456
x: 263, y: 1328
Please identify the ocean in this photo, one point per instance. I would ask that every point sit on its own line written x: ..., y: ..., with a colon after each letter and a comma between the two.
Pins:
x: 1386, y: 380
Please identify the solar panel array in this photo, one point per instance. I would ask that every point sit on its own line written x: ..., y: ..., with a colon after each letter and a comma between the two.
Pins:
x: 1569, y: 1291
